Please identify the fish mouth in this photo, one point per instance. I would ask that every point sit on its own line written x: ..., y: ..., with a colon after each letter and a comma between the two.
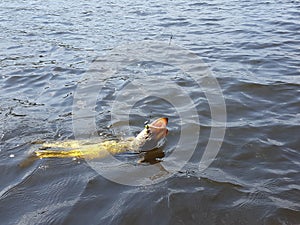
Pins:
x: 153, y: 136
x: 160, y: 123
x: 158, y: 128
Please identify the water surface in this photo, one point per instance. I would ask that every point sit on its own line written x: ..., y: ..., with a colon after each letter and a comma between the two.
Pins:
x: 252, y: 48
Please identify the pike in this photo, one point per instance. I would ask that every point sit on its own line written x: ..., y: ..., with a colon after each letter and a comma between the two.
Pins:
x: 151, y: 137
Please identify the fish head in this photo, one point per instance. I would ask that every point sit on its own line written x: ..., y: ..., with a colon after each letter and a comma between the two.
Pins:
x: 152, y: 136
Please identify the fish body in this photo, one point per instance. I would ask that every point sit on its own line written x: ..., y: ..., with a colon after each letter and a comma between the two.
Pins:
x: 81, y: 149
x: 149, y: 138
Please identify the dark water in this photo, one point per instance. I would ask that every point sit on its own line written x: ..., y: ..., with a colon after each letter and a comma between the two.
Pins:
x: 252, y: 48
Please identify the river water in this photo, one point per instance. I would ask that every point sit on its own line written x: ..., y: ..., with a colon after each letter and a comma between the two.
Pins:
x: 251, y: 48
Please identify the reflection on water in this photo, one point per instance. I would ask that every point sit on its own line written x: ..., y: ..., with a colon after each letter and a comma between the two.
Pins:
x: 252, y: 49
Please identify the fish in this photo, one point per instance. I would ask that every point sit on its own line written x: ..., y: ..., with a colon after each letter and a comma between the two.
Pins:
x: 151, y: 137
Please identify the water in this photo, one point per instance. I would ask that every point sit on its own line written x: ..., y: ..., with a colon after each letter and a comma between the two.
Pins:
x: 251, y: 47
